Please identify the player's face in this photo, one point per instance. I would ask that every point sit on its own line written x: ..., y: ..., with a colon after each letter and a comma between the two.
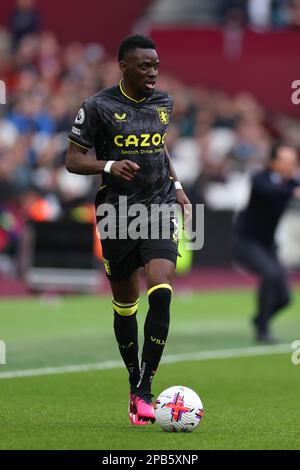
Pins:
x: 286, y: 162
x: 140, y: 70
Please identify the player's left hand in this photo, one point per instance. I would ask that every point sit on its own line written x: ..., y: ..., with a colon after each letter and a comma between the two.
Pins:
x: 186, y: 206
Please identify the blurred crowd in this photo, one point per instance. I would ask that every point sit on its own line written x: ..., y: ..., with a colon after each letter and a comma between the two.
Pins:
x: 214, y: 139
x: 260, y: 14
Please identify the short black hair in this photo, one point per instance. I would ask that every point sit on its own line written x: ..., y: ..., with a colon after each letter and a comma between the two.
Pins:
x: 277, y: 145
x: 132, y: 42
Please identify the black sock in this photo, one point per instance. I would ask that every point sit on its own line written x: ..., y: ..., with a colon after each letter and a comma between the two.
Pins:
x: 126, y: 332
x: 156, y: 331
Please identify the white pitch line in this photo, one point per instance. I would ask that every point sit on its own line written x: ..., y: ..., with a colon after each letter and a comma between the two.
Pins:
x: 171, y: 359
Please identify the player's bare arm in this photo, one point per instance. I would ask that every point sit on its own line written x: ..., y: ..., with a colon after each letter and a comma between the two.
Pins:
x: 78, y: 162
x: 181, y: 197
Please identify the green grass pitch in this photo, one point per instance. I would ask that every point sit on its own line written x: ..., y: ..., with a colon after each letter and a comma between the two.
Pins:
x: 249, y: 402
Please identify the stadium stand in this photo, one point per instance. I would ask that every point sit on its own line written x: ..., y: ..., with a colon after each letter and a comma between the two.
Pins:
x: 215, y: 140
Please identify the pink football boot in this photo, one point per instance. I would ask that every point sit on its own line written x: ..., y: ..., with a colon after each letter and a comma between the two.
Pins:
x: 134, y: 418
x: 143, y: 406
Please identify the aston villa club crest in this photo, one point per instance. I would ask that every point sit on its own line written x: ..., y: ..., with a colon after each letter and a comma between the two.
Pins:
x: 163, y: 115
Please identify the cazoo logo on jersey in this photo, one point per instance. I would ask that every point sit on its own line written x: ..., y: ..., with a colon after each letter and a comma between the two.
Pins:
x: 142, y: 140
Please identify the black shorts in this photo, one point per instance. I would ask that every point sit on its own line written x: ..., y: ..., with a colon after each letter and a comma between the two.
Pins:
x: 122, y: 257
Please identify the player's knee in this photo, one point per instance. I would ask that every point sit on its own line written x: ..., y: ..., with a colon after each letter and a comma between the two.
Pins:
x: 160, y: 296
x: 125, y: 309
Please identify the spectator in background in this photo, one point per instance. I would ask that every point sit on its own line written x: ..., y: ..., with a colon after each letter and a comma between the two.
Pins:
x: 186, y: 158
x: 213, y: 135
x: 30, y: 115
x: 295, y: 15
x: 260, y: 13
x: 254, y: 245
x: 25, y: 20
x: 280, y: 13
x: 232, y: 12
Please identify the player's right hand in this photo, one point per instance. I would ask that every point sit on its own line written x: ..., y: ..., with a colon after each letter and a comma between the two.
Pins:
x: 124, y: 169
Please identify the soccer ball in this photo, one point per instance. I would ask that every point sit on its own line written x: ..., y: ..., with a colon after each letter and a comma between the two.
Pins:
x: 178, y: 409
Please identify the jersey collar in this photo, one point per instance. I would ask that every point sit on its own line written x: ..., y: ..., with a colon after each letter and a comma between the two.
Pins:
x: 128, y: 97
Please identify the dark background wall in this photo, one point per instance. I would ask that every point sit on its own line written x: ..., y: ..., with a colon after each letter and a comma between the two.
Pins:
x: 266, y: 64
x: 88, y: 20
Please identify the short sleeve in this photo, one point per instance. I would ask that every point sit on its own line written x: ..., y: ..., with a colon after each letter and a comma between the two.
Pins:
x: 171, y: 103
x: 82, y: 132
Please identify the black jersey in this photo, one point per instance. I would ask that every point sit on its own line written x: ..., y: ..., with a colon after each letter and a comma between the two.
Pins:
x: 119, y: 128
x: 269, y: 198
